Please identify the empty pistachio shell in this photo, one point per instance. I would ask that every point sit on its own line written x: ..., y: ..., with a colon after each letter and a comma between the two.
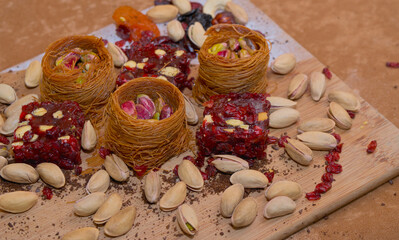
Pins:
x: 346, y: 99
x: 17, y: 202
x: 116, y: 168
x: 7, y: 94
x: 245, y: 213
x: 284, y: 188
x: 173, y: 197
x: 249, y: 178
x: 51, y: 174
x: 89, y: 136
x: 33, y: 74
x: 118, y: 56
x: 317, y: 124
x: 16, y: 107
x: 121, y: 222
x: 279, y: 206
x: 108, y: 209
x: 10, y: 125
x: 3, y: 162
x: 19, y: 173
x: 190, y: 174
x: 318, y: 140
x: 99, y: 182
x: 299, y: 152
x: 152, y: 187
x: 196, y: 33
x: 86, y: 233
x: 284, y: 63
x: 229, y: 163
x: 89, y: 205
x: 191, y: 114
x: 187, y: 219
x: 283, y: 117
x: 279, y: 102
x: 340, y: 116
x: 297, y: 86
x: 230, y: 199
x: 317, y: 85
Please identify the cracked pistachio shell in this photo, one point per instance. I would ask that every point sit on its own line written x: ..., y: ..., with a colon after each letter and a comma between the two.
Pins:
x: 250, y: 178
x: 3, y: 162
x: 16, y: 107
x: 317, y: 124
x: 317, y: 85
x: 340, y: 116
x: 284, y: 188
x: 18, y: 202
x: 99, y: 182
x: 86, y: 233
x: 116, y: 168
x: 51, y: 174
x: 283, y: 117
x: 108, y: 209
x: 187, y: 219
x: 89, y: 205
x: 121, y: 223
x: 346, y: 99
x: 152, y: 187
x: 318, y: 140
x: 230, y: 199
x: 279, y: 206
x: 173, y: 197
x: 196, y: 33
x: 19, y: 173
x: 89, y: 136
x: 190, y: 174
x: 229, y: 163
x: 298, y: 86
x: 245, y: 213
x: 284, y: 63
x: 191, y: 114
x: 299, y: 152
x: 280, y: 102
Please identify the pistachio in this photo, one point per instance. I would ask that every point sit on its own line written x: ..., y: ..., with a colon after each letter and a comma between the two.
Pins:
x: 317, y: 85
x: 89, y: 205
x: 116, y: 168
x: 173, y: 197
x: 245, y: 213
x: 99, y: 182
x: 187, y: 219
x: 162, y: 13
x: 152, y: 187
x: 297, y: 86
x: 249, y: 179
x: 279, y: 102
x: 184, y: 6
x: 230, y: 199
x: 86, y: 233
x: 108, y: 209
x: 190, y: 174
x: 284, y: 188
x: 279, y: 206
x: 7, y: 94
x: 283, y: 117
x: 346, y: 99
x: 10, y: 125
x: 3, y: 162
x: 284, y: 63
x: 318, y: 140
x: 191, y: 113
x: 240, y: 15
x: 17, y: 202
x: 340, y: 116
x: 196, y: 33
x: 147, y: 103
x: 19, y: 132
x: 175, y: 30
x: 33, y: 74
x: 317, y: 124
x: 1, y: 121
x: 89, y: 136
x: 121, y: 223
x: 210, y: 7
x: 16, y: 107
x: 229, y: 163
x: 118, y: 56
x: 51, y: 174
x: 19, y: 173
x: 3, y: 151
x: 299, y: 152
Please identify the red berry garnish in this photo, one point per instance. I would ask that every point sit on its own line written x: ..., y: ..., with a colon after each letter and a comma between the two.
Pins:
x: 327, y: 73
x: 140, y: 170
x: 204, y: 175
x: 270, y: 175
x: 327, y: 177
x: 47, y: 193
x: 372, y: 146
x: 392, y: 64
x: 282, y: 141
x: 338, y: 148
x: 313, y: 196
x: 211, y: 170
x: 4, y: 139
x: 334, y: 168
x: 351, y: 114
x: 104, y: 152
x: 323, y: 187
x: 337, y: 137
x: 271, y: 140
x: 176, y: 170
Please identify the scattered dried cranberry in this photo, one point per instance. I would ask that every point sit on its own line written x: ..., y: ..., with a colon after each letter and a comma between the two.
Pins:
x: 327, y: 177
x: 121, y: 43
x: 47, y: 193
x: 223, y: 17
x: 338, y: 148
x: 162, y: 2
x: 313, y: 196
x: 104, y: 152
x: 351, y: 114
x: 78, y: 170
x: 334, y: 168
x: 211, y: 170
x: 392, y: 64
x: 204, y: 175
x: 323, y: 187
x: 270, y: 175
x: 105, y: 41
x: 176, y: 170
x: 189, y: 158
x: 337, y: 136
x: 4, y: 139
x: 372, y: 146
x: 210, y: 160
x: 327, y: 73
x: 196, y: 5
x: 271, y: 140
x: 283, y: 140
x: 140, y: 170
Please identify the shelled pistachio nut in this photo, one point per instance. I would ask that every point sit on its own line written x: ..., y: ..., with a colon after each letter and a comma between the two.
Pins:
x: 109, y: 208
x: 116, y: 168
x: 317, y: 124
x: 317, y: 85
x: 299, y: 152
x: 245, y: 213
x: 187, y: 219
x: 121, y: 223
x: 99, y: 182
x: 191, y: 114
x: 10, y: 125
x: 240, y: 15
x: 16, y: 107
x: 33, y: 74
x: 283, y: 117
x: 184, y: 6
x: 173, y: 197
x: 19, y: 173
x: 163, y: 13
x: 86, y: 233
x: 89, y: 136
x: 51, y: 174
x: 298, y: 86
x: 7, y: 94
x: 118, y: 56
x: 279, y: 102
x: 279, y: 206
x: 18, y: 202
x: 340, y: 116
x: 249, y: 178
x: 229, y: 163
x: 230, y: 199
x: 196, y: 33
x: 152, y: 187
x: 346, y: 99
x: 284, y: 63
x: 190, y: 174
x: 210, y: 7
x: 284, y: 188
x: 318, y: 140
x: 89, y: 205
x: 175, y: 30
x: 3, y: 162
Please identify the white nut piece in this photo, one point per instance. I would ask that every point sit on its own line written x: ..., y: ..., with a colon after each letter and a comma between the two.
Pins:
x: 7, y: 94
x: 175, y: 30
x: 284, y: 63
x: 118, y: 56
x: 211, y: 6
x: 240, y: 15
x: 196, y: 33
x: 33, y: 74
x: 184, y: 6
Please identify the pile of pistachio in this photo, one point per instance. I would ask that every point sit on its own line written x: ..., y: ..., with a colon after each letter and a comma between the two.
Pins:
x: 233, y: 48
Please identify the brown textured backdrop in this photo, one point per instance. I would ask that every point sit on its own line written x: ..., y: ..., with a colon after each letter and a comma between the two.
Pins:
x: 354, y: 38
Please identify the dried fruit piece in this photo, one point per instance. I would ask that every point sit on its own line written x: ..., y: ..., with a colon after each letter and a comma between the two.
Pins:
x: 372, y: 146
x: 327, y: 73
x: 392, y: 64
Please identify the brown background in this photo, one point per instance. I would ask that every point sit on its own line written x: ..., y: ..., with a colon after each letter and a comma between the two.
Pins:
x: 354, y: 38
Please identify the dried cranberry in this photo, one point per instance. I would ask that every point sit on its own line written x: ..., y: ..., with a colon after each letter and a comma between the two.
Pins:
x: 120, y: 43
x: 283, y: 140
x: 189, y: 158
x: 338, y: 148
x: 196, y: 15
x: 337, y: 136
x: 271, y: 140
x: 327, y: 177
x: 313, y: 196
x: 334, y: 168
x: 104, y: 152
x: 47, y: 193
x: 210, y: 170
x: 204, y: 175
x: 392, y: 64
x: 210, y: 160
x: 140, y: 170
x: 4, y: 140
x: 270, y: 175
x: 327, y: 73
x: 372, y: 146
x: 223, y: 17
x: 351, y: 114
x: 323, y: 187
x: 162, y: 2
x: 105, y: 41
x: 176, y: 170
x: 123, y: 32
x: 196, y: 5
x: 200, y: 161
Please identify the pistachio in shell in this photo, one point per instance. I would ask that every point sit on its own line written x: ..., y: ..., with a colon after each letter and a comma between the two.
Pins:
x: 279, y: 206
x: 86, y: 233
x: 190, y: 174
x: 187, y: 219
x: 231, y: 197
x: 51, y: 174
x: 99, y: 182
x: 283, y: 117
x: 297, y: 86
x: 19, y: 173
x: 340, y: 116
x: 3, y: 162
x: 280, y: 102
x: 229, y: 163
x: 249, y: 179
x: 299, y: 152
x: 317, y: 124
x: 284, y: 63
x: 18, y: 202
x: 108, y: 209
x: 152, y: 187
x: 346, y: 99
x: 317, y: 85
x: 173, y: 197
x: 121, y: 223
x: 245, y: 213
x: 318, y: 140
x: 89, y: 205
x: 116, y: 168
x: 284, y: 188
x: 89, y: 136
x: 191, y: 113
